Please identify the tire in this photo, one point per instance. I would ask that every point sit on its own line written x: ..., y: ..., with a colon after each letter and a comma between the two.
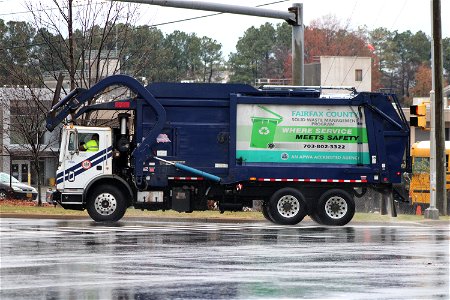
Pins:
x: 266, y: 212
x: 335, y: 207
x: 287, y: 207
x: 3, y: 195
x: 106, y: 204
x: 316, y: 218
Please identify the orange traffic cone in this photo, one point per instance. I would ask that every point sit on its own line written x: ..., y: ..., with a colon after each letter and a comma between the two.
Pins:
x: 419, y: 210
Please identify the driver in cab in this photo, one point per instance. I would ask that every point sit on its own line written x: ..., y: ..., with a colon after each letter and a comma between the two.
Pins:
x: 91, y: 145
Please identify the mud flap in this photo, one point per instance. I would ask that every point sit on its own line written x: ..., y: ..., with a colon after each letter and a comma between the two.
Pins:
x: 387, y: 202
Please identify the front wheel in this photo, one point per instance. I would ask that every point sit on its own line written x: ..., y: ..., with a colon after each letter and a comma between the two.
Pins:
x: 106, y: 203
x: 335, y: 207
x: 287, y: 207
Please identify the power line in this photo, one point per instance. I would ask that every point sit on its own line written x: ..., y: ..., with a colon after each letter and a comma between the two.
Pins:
x: 155, y: 25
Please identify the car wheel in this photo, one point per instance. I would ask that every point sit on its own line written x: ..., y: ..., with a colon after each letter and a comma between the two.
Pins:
x: 3, y: 194
x: 335, y: 207
x: 287, y: 206
x: 106, y: 203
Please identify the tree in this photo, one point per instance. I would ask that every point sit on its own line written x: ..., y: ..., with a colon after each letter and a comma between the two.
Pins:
x: 71, y: 37
x: 282, y: 51
x: 422, y: 81
x: 15, y: 50
x: 446, y: 56
x: 412, y: 51
x: 254, y: 57
x: 381, y: 41
x: 145, y: 55
x: 185, y: 60
x: 328, y: 36
x: 402, y: 54
x: 211, y: 56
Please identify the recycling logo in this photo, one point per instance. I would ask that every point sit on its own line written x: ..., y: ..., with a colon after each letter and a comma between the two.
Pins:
x: 264, y: 130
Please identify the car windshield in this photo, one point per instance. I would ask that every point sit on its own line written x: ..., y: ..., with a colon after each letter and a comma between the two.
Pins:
x: 5, y: 178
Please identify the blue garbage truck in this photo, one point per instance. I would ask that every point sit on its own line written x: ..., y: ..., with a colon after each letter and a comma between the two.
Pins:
x: 178, y: 146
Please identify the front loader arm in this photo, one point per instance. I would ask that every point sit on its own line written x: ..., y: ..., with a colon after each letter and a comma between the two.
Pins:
x: 75, y: 104
x: 79, y: 97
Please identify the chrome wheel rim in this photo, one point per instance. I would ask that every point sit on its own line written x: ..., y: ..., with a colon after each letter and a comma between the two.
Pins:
x: 288, y: 206
x: 2, y: 195
x: 336, y: 207
x: 105, y: 204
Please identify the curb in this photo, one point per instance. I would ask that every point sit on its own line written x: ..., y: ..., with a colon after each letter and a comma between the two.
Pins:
x: 307, y: 221
x: 134, y: 218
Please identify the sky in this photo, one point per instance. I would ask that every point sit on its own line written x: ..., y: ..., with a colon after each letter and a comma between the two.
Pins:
x: 398, y: 15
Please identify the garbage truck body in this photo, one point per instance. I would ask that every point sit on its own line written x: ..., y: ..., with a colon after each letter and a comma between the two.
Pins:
x: 181, y: 146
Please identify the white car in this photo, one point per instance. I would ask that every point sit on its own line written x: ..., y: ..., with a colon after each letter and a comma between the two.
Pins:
x: 11, y: 188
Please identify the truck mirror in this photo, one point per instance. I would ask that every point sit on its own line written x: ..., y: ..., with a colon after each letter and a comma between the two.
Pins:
x: 73, y: 142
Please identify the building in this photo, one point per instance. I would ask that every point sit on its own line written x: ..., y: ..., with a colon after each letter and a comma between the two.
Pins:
x: 341, y: 71
x: 351, y: 71
x: 20, y: 110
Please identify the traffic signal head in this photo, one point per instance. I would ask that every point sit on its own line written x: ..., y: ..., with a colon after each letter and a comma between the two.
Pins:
x: 418, y: 115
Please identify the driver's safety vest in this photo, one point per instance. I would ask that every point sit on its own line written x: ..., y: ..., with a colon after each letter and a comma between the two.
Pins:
x: 91, y: 146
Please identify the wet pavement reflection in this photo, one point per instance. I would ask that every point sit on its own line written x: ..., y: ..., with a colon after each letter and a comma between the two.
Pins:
x: 79, y: 259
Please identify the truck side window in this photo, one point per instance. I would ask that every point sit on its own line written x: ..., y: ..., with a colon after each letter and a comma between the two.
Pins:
x: 88, y: 141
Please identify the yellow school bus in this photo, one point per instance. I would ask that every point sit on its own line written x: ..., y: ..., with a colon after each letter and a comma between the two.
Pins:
x: 419, y: 189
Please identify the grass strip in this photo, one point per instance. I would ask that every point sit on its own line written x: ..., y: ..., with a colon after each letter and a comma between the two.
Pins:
x: 29, y: 209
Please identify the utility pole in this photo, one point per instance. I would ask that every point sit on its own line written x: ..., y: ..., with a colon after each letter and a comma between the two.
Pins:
x: 294, y: 16
x: 437, y: 138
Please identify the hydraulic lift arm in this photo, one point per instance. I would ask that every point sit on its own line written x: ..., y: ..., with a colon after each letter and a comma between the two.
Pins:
x: 75, y: 104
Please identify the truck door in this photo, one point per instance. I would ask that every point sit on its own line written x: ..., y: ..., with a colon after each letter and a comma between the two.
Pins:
x: 81, y: 165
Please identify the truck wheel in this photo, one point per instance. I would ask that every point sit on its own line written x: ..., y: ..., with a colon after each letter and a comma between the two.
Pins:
x: 316, y: 218
x: 287, y: 206
x: 335, y: 207
x: 3, y: 194
x: 266, y: 212
x: 106, y: 203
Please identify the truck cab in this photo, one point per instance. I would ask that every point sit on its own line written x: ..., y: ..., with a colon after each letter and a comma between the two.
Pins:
x: 78, y: 167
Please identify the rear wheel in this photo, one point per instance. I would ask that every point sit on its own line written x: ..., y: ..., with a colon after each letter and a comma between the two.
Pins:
x: 266, y: 212
x: 287, y: 206
x: 106, y: 203
x: 315, y: 218
x: 335, y: 207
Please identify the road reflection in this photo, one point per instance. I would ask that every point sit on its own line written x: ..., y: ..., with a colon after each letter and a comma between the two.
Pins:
x: 49, y: 259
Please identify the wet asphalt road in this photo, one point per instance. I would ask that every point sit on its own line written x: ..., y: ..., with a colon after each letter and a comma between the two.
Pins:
x: 55, y: 259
